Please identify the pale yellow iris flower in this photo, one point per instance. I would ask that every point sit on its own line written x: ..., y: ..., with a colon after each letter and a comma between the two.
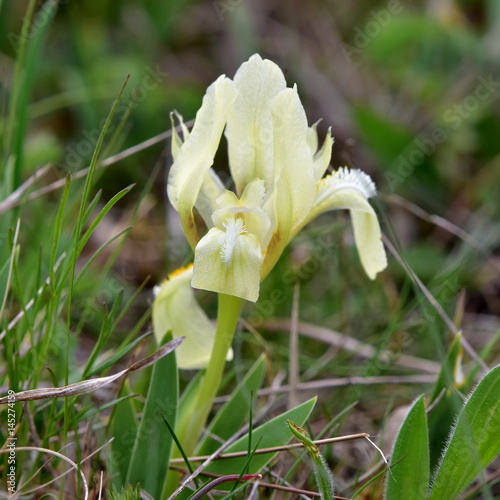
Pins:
x: 277, y: 168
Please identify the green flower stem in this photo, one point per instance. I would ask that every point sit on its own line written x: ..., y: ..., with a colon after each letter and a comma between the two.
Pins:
x: 228, y: 313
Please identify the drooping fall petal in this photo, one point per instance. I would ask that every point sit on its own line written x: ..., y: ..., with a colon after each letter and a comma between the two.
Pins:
x: 350, y: 189
x: 228, y: 261
x: 175, y: 308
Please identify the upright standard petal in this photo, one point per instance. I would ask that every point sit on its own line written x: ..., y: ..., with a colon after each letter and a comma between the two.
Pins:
x: 350, y: 189
x: 177, y: 141
x: 175, y: 308
x: 294, y: 176
x: 196, y: 155
x: 228, y: 261
x: 249, y: 126
x: 323, y: 155
x: 294, y: 185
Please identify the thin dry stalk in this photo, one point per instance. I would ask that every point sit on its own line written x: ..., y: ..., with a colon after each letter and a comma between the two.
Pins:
x: 350, y: 344
x: 86, y: 386
x: 274, y: 449
x: 16, y: 198
x: 444, y: 224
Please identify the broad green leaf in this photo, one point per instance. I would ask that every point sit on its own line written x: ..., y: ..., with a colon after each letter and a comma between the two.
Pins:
x: 409, y: 475
x: 272, y: 433
x: 231, y: 416
x: 474, y: 441
x: 124, y: 430
x: 153, y: 442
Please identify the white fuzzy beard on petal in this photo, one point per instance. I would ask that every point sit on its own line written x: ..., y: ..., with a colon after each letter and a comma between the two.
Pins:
x: 345, y: 178
x: 234, y: 228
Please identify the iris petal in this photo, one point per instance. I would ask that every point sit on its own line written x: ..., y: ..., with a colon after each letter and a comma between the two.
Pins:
x: 196, y: 155
x: 249, y: 131
x: 350, y: 189
x: 176, y: 309
x: 228, y: 261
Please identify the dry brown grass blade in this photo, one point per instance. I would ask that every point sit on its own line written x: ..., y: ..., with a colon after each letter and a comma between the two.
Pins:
x: 444, y: 224
x: 87, y: 386
x: 317, y: 385
x: 14, y: 199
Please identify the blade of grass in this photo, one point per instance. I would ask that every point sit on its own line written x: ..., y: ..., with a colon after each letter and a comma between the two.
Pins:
x: 181, y: 450
x: 77, y: 247
x: 57, y: 230
x: 106, y: 330
x: 102, y: 213
x: 11, y: 176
